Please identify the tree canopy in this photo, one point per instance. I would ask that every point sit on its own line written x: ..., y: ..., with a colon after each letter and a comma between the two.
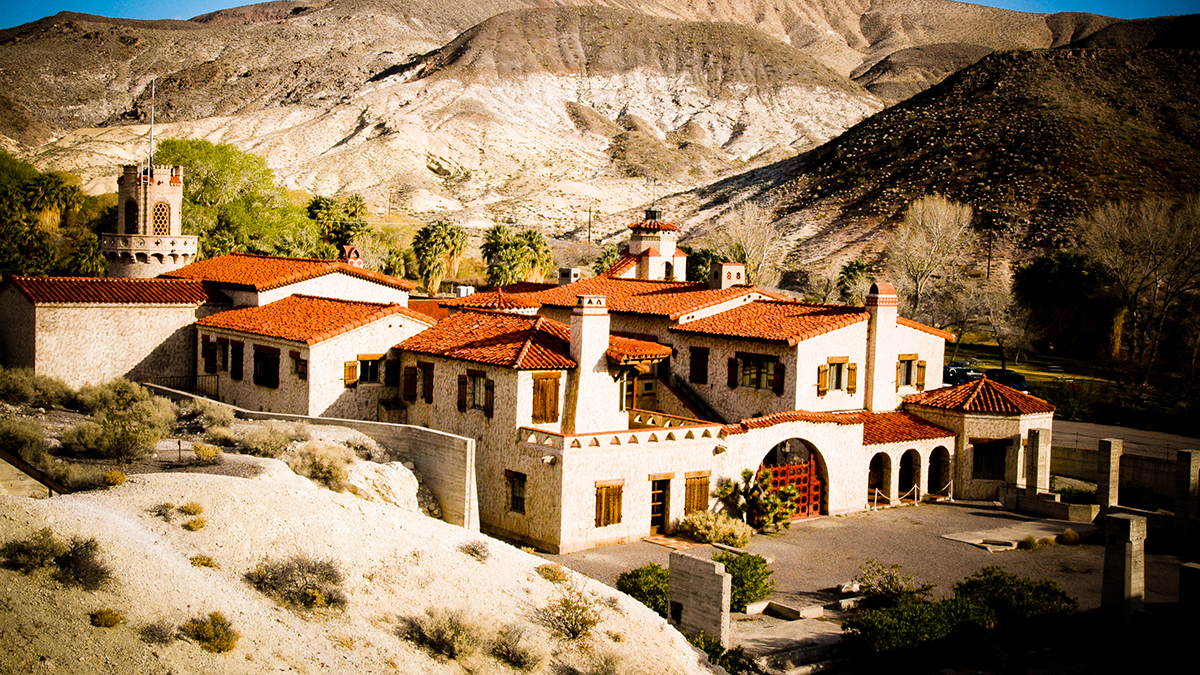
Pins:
x: 935, y: 238
x: 439, y: 248
x: 515, y: 256
x: 35, y: 210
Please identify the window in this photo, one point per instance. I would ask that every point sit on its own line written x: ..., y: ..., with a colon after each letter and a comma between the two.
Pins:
x: 545, y: 398
x: 266, y: 366
x: 910, y: 372
x: 989, y: 458
x: 222, y: 354
x: 697, y: 493
x: 608, y: 503
x: 426, y: 369
x: 758, y: 371
x: 836, y: 375
x: 299, y: 365
x: 131, y: 217
x: 410, y: 383
x: 237, y: 359
x: 698, y: 365
x: 161, y: 219
x: 391, y: 373
x: 208, y: 352
x: 516, y: 491
x: 368, y: 367
x: 476, y: 392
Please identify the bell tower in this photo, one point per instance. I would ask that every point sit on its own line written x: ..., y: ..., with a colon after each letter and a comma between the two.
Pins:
x: 149, y: 239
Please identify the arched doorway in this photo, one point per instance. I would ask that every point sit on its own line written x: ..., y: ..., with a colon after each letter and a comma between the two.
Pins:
x: 910, y: 474
x: 797, y: 463
x: 879, y: 480
x: 939, y: 472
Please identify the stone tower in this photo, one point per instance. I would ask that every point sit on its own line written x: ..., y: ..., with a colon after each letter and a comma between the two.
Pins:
x: 149, y: 239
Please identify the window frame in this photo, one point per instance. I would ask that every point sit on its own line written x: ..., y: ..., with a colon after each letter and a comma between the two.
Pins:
x: 698, y: 365
x: 237, y: 360
x: 995, y: 452
x: 757, y: 371
x: 370, y: 370
x: 299, y: 365
x: 266, y: 366
x: 517, y: 485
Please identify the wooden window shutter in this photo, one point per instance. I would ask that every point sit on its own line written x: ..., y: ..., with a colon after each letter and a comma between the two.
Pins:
x: 822, y: 380
x: 733, y: 373
x: 615, y: 501
x: 851, y: 378
x: 410, y: 383
x: 489, y: 398
x: 599, y: 506
x: 554, y: 400
x: 899, y: 365
x: 921, y: 375
x: 391, y: 373
x: 777, y: 385
x: 350, y: 373
x: 427, y: 384
x: 462, y: 393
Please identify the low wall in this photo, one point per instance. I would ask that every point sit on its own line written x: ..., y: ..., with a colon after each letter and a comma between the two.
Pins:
x: 1080, y: 463
x: 445, y: 462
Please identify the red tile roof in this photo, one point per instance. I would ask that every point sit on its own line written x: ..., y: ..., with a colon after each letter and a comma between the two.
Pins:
x: 520, y: 341
x: 624, y: 264
x: 982, y: 396
x: 519, y: 291
x: 672, y: 299
x: 430, y: 307
x: 654, y: 226
x: 263, y: 272
x: 742, y: 426
x: 897, y: 427
x: 946, y: 335
x: 498, y: 300
x: 625, y: 350
x: 787, y: 321
x: 93, y: 290
x: 307, y: 318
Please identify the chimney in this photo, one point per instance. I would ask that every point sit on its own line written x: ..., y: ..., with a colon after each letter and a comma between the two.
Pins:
x: 568, y: 275
x: 352, y: 256
x: 653, y: 214
x: 593, y: 396
x: 726, y: 274
x: 882, y: 309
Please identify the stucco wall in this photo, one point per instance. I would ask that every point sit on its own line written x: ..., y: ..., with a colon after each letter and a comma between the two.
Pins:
x: 338, y: 285
x: 17, y: 341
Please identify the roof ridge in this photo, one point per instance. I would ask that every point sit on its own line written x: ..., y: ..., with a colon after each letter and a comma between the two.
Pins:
x: 341, y: 300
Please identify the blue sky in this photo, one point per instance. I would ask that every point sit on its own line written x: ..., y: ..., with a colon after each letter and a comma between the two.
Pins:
x: 16, y: 12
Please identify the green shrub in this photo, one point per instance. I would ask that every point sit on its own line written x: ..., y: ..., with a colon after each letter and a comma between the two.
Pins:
x: 300, y: 582
x: 21, y: 385
x: 751, y: 581
x: 106, y: 618
x: 81, y: 565
x: 323, y: 462
x: 213, y: 414
x: 192, y: 509
x: 158, y: 633
x: 886, y: 584
x: 1029, y: 543
x: 23, y: 438
x: 477, y: 549
x: 1074, y: 495
x: 553, y: 572
x: 1014, y: 598
x: 34, y: 552
x: 214, y: 633
x: 74, y: 477
x: 649, y: 585
x: 208, y: 455
x: 572, y: 615
x: 1069, y: 537
x: 716, y: 528
x: 204, y: 561
x: 734, y: 661
x: 510, y: 646
x: 195, y: 524
x: 129, y: 421
x: 755, y: 500
x: 912, y: 621
x: 114, y: 477
x: 448, y: 632
x: 222, y: 436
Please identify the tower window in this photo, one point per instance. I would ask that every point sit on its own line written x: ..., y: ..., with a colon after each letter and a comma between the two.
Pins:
x: 162, y: 219
x: 131, y: 217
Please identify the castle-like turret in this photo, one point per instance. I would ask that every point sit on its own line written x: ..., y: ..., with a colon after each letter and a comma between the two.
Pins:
x: 149, y: 239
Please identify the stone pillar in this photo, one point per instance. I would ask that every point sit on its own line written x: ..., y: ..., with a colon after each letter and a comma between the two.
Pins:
x: 699, y: 596
x: 1037, y: 462
x: 1189, y: 588
x: 1187, y: 488
x: 1124, y: 586
x: 1108, y: 473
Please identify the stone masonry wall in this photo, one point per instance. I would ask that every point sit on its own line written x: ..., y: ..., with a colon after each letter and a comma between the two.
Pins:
x: 18, y: 340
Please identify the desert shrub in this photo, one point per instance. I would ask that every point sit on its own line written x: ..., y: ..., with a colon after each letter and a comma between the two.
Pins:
x: 734, y: 661
x: 114, y: 477
x: 1029, y: 543
x: 208, y: 455
x: 606, y: 663
x: 510, y: 646
x: 192, y: 509
x: 716, y: 528
x: 106, y: 618
x: 886, y: 584
x: 477, y: 549
x: 165, y: 510
x: 222, y: 436
x: 1015, y: 598
x: 449, y: 632
x: 649, y: 584
x: 214, y: 633
x: 323, y: 462
x: 81, y: 565
x: 271, y: 438
x: 757, y: 502
x: 204, y: 561
x: 22, y: 385
x: 195, y: 524
x: 213, y: 414
x: 129, y: 421
x: 553, y: 572
x: 300, y: 582
x: 365, y: 447
x: 1069, y: 537
x: 158, y: 633
x: 1046, y: 542
x: 34, y: 552
x: 1074, y: 495
x: 751, y: 579
x: 23, y: 438
x: 572, y: 615
x: 74, y: 477
x: 912, y: 621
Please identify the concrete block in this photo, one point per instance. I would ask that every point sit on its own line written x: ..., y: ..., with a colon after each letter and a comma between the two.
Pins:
x: 699, y: 597
x: 1123, y: 590
x: 1108, y: 473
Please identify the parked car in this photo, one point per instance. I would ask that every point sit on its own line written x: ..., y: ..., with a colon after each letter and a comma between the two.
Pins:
x: 958, y: 372
x: 1008, y: 378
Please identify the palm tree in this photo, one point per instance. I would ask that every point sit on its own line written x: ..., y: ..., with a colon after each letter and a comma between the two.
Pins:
x: 537, y: 256
x: 87, y: 260
x: 430, y: 246
x: 456, y: 246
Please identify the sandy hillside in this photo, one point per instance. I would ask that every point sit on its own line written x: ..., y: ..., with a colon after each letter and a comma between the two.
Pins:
x: 396, y: 563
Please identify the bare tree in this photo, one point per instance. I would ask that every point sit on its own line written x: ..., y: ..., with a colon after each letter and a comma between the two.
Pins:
x: 935, y: 238
x: 747, y: 235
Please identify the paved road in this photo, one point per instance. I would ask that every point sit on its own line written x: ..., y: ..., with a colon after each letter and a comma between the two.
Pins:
x: 816, y: 555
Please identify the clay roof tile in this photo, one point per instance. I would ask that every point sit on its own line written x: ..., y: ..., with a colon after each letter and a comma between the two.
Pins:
x: 97, y: 290
x: 307, y: 318
x: 263, y: 272
x: 982, y: 396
